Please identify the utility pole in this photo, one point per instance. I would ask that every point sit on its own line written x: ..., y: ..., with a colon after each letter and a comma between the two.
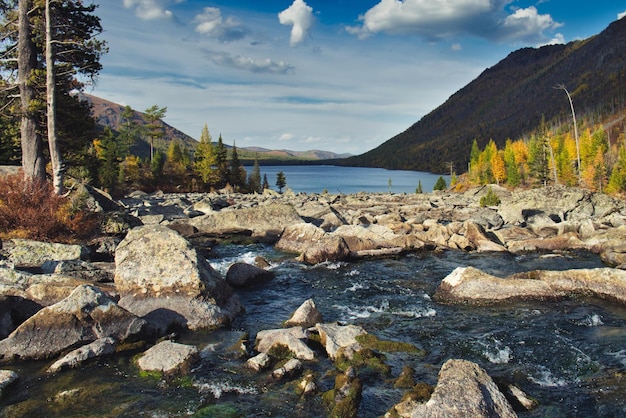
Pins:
x: 571, y: 104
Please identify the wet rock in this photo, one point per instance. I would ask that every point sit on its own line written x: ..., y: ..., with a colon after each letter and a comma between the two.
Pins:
x: 345, y: 397
x: 84, y: 316
x: 290, y: 367
x: 464, y: 390
x: 259, y: 362
x: 169, y: 358
x: 292, y: 338
x: 335, y: 337
x: 305, y: 316
x: 161, y: 277
x: 98, y: 348
x: 482, y: 241
x: 80, y: 269
x: 468, y: 284
x: 244, y: 275
x: 307, y: 385
x: 312, y: 244
x: 29, y: 253
x: 7, y: 377
x: 118, y: 223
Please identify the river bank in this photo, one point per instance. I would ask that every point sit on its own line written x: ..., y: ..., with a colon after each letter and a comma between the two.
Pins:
x: 317, y: 229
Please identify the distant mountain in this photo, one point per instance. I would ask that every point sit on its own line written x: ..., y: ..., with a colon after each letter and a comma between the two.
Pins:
x: 109, y: 114
x: 509, y: 99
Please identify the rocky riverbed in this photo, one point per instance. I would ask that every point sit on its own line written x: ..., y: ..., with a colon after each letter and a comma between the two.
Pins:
x: 146, y: 278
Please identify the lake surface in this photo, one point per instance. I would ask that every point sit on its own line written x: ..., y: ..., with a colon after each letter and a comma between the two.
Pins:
x: 348, y: 180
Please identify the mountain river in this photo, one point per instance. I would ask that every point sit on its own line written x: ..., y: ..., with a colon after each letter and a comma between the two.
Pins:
x: 570, y: 355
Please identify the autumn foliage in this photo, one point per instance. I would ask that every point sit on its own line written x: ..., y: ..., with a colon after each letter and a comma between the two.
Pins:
x: 30, y: 209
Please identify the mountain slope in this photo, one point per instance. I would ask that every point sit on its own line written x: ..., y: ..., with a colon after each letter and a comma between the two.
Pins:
x: 508, y: 100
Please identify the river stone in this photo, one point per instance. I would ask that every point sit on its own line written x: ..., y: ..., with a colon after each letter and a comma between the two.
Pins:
x: 244, y: 275
x: 290, y: 367
x: 292, y: 338
x: 481, y: 239
x: 80, y: 269
x: 84, y: 316
x: 98, y: 348
x: 155, y: 261
x: 305, y: 316
x: 259, y: 362
x: 266, y: 220
x: 334, y: 337
x: 468, y: 284
x: 464, y: 390
x: 169, y: 358
x: 313, y: 244
x: 29, y: 253
x: 6, y: 378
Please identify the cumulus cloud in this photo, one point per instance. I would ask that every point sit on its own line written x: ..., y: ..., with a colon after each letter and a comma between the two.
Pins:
x: 150, y: 9
x: 300, y: 17
x: 621, y: 15
x: 441, y: 19
x: 210, y: 22
x: 267, y: 65
x: 286, y: 137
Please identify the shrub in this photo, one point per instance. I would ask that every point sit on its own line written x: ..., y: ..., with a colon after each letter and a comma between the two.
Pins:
x: 490, y: 199
x: 30, y: 209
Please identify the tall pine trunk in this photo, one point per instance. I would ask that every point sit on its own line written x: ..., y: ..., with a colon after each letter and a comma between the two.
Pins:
x: 53, y: 145
x: 33, y: 163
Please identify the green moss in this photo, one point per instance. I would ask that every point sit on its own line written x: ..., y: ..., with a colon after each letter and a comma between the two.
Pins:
x: 490, y: 199
x: 365, y: 358
x: 373, y: 342
x: 280, y: 352
x: 421, y: 392
x: 406, y: 378
x: 219, y: 410
x: 150, y: 374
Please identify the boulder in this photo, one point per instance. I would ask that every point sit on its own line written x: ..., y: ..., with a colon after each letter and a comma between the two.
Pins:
x: 468, y: 284
x: 98, y: 348
x: 29, y: 253
x: 305, y: 316
x: 84, y: 316
x: 6, y: 378
x: 464, y: 389
x: 265, y: 221
x: 335, y: 337
x: 160, y: 276
x: 313, y: 244
x: 80, y: 269
x: 289, y: 368
x: 168, y: 358
x: 244, y: 275
x: 293, y: 338
x: 259, y: 362
x: 482, y: 241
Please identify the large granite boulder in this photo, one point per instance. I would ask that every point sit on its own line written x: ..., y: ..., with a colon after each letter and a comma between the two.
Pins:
x: 86, y: 315
x: 335, y: 337
x: 245, y: 275
x: 313, y: 244
x: 305, y: 316
x: 100, y: 347
x: 265, y: 221
x: 470, y: 285
x: 160, y: 276
x: 7, y: 377
x: 464, y: 390
x: 293, y: 338
x: 29, y: 253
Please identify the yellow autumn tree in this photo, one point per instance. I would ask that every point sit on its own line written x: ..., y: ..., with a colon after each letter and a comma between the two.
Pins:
x: 498, y: 169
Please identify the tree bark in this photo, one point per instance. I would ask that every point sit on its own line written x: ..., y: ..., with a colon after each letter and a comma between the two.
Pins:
x: 53, y: 143
x: 33, y: 164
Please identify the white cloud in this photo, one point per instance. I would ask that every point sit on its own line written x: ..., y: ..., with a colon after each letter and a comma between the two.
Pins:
x: 286, y: 137
x: 150, y: 9
x: 439, y: 19
x: 266, y: 65
x: 300, y: 16
x: 210, y: 22
x: 456, y: 46
x: 621, y: 15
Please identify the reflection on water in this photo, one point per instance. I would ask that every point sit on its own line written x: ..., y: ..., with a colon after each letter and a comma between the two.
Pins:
x: 569, y: 355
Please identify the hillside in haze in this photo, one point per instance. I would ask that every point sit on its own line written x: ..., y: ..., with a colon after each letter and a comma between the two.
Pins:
x: 509, y: 99
x: 109, y: 114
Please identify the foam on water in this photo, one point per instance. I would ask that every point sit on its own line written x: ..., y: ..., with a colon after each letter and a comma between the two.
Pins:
x: 217, y: 389
x: 544, y: 377
x: 594, y: 320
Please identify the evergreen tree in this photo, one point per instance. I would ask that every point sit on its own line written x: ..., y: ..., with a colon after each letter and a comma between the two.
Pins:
x: 513, y: 177
x: 281, y: 181
x: 157, y: 165
x: 237, y: 172
x: 254, y: 180
x: 175, y: 160
x: 154, y: 129
x: 221, y: 162
x: 440, y: 184
x: 617, y: 181
x: 129, y: 130
x: 538, y: 158
x: 266, y: 184
x: 206, y: 159
x: 419, y: 190
x: 108, y: 153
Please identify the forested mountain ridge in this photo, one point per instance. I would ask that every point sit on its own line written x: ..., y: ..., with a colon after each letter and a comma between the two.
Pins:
x: 509, y: 100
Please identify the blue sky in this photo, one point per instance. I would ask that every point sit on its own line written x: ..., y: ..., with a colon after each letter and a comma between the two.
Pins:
x: 335, y: 75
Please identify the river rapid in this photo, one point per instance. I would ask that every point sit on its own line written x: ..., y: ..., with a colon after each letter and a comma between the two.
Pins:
x: 570, y: 355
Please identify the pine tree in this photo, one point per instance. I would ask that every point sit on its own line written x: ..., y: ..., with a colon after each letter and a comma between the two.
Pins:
x: 237, y: 172
x: 281, y: 181
x: 254, y: 180
x: 617, y: 181
x: 513, y: 177
x: 221, y: 162
x: 440, y: 184
x: 419, y: 187
x: 109, y: 157
x: 266, y: 184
